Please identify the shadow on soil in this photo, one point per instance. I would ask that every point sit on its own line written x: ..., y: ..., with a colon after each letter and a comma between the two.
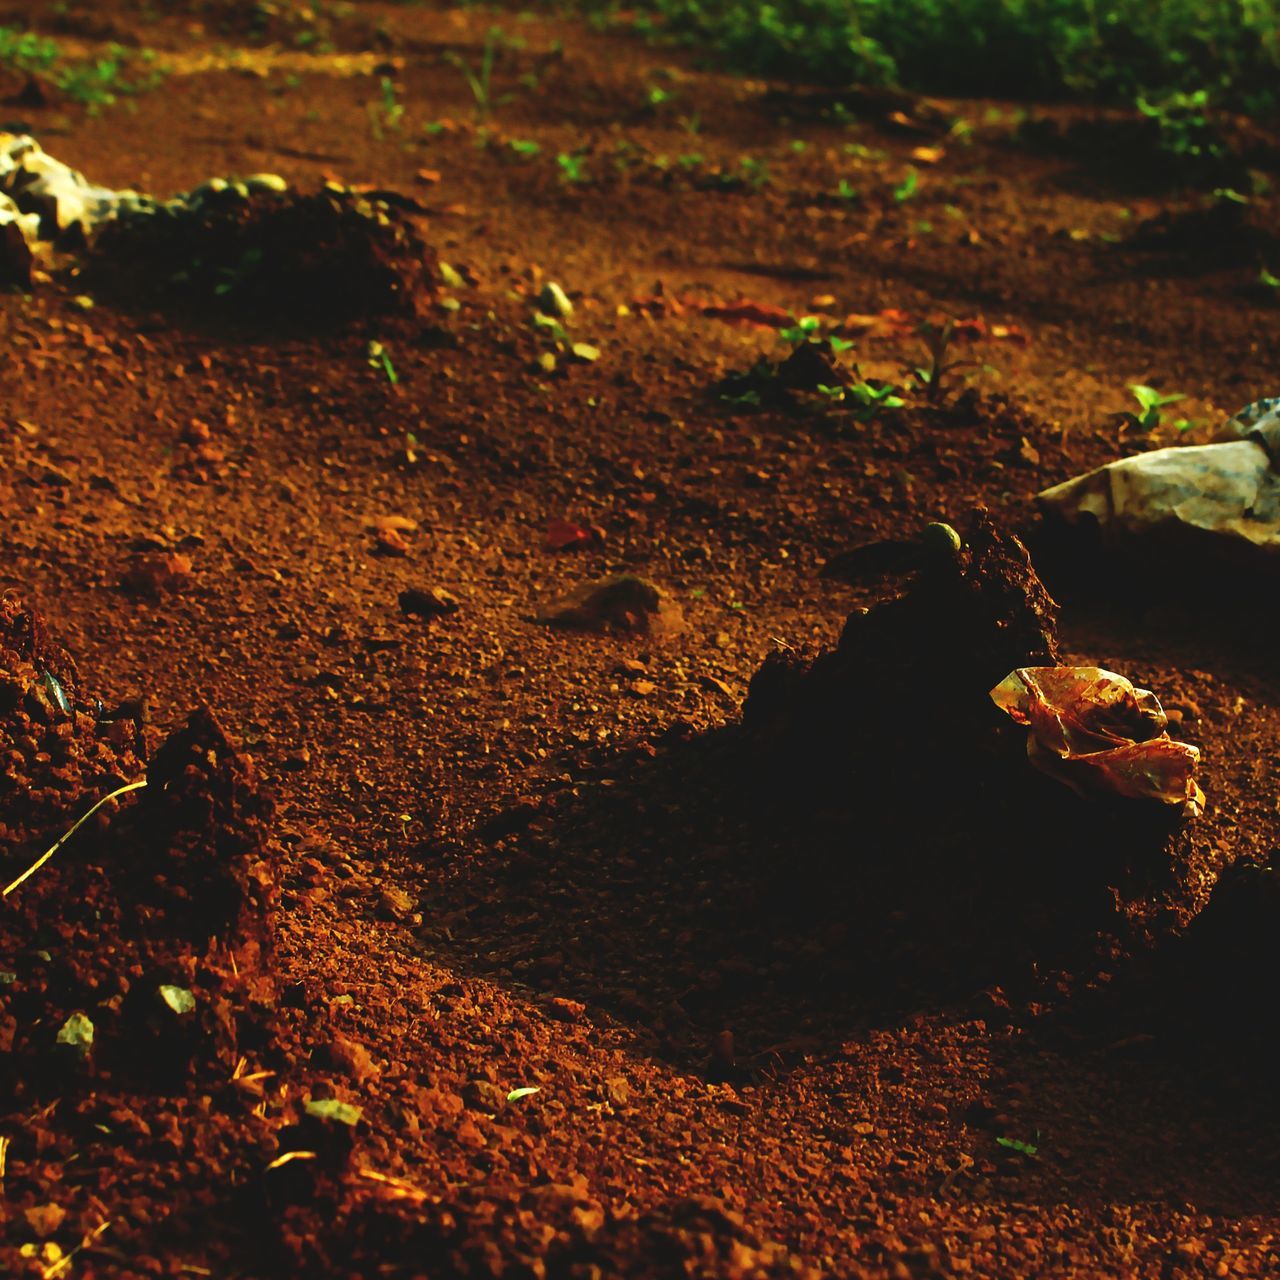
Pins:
x: 871, y: 843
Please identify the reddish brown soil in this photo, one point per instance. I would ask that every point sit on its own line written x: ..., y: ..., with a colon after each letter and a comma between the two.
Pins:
x: 779, y: 1015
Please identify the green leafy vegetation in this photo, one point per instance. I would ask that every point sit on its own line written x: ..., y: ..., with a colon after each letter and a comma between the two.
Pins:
x: 1016, y: 1144
x: 386, y: 114
x: 379, y: 359
x: 95, y: 82
x: 1114, y: 49
x: 1150, y: 403
x: 573, y: 167
x: 480, y: 78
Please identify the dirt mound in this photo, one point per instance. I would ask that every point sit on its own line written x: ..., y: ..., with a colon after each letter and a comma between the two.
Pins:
x: 52, y: 753
x: 551, y: 1229
x: 151, y: 925
x: 918, y: 804
x: 316, y: 259
x: 1211, y: 987
x: 1223, y: 232
x: 132, y: 962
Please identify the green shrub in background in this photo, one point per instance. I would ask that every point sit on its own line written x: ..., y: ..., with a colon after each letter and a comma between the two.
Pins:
x: 1011, y: 48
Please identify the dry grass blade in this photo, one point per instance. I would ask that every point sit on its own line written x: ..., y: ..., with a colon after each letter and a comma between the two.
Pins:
x: 44, y: 857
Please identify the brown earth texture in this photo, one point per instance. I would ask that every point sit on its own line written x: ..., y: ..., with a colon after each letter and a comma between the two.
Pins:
x: 507, y: 852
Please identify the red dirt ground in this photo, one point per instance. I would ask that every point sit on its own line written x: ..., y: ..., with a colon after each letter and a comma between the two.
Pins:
x: 475, y: 854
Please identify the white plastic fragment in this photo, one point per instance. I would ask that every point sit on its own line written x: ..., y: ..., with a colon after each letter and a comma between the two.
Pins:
x: 45, y: 199
x: 56, y: 193
x: 1229, y: 489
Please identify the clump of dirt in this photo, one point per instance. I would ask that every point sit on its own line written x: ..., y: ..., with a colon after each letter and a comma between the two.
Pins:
x: 149, y: 928
x: 1207, y: 983
x: 52, y: 753
x: 320, y: 258
x: 1226, y: 231
x: 548, y: 1229
x: 922, y: 814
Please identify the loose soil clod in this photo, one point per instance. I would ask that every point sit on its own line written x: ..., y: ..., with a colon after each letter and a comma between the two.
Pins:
x: 315, y: 259
x: 991, y: 868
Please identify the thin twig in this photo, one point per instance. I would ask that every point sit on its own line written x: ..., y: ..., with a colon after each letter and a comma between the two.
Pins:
x: 40, y: 861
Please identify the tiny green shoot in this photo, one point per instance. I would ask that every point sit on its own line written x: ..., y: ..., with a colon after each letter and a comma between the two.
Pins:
x: 1150, y: 402
x: 1028, y: 1149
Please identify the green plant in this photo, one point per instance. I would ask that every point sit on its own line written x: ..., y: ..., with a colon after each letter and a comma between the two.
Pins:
x: 1113, y: 49
x: 1028, y: 1149
x: 846, y: 192
x: 937, y: 339
x: 379, y: 359
x: 26, y: 51
x: 1188, y: 132
x: 573, y: 167
x: 94, y: 82
x: 805, y: 329
x: 387, y: 113
x: 870, y: 400
x: 755, y: 172
x: 1150, y: 402
x: 809, y: 329
x: 908, y: 187
x: 480, y: 81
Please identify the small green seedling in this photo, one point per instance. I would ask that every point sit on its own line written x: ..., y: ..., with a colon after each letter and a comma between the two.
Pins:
x: 1028, y: 1149
x: 806, y: 329
x: 1150, y: 402
x: 573, y: 167
x: 526, y: 1091
x: 379, y: 359
x: 390, y: 110
x: 755, y: 172
x: 937, y: 340
x: 1268, y: 281
x: 846, y: 191
x: 525, y: 148
x: 871, y: 400
x: 907, y: 188
x: 480, y: 81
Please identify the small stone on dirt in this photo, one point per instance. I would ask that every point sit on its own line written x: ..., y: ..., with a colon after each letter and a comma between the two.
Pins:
x: 617, y: 1091
x: 151, y: 576
x: 395, y: 903
x: 564, y: 1010
x: 393, y: 524
x: 715, y: 684
x: 351, y: 1058
x: 623, y: 602
x: 390, y: 542
x: 44, y: 1219
x: 482, y: 1095
x: 429, y: 602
